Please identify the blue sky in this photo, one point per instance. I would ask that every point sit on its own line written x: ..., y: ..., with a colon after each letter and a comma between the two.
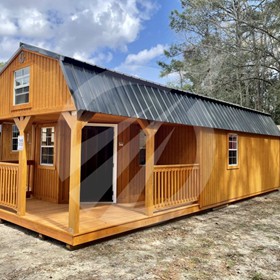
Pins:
x: 128, y: 36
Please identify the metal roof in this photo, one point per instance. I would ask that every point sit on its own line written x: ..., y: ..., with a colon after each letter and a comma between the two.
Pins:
x: 100, y: 90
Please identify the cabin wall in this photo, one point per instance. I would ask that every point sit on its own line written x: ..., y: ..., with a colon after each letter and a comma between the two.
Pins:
x: 7, y: 154
x: 258, y: 169
x: 48, y: 91
x: 51, y: 183
x: 63, y: 160
x: 176, y: 145
x: 173, y: 145
x: 131, y: 175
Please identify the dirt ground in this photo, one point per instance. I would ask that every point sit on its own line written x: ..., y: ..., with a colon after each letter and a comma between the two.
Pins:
x: 241, y: 241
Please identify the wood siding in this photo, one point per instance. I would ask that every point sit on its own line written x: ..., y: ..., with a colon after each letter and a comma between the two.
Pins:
x: 51, y: 183
x: 173, y: 145
x: 131, y: 175
x: 257, y: 171
x: 63, y: 160
x: 6, y: 148
x: 48, y: 90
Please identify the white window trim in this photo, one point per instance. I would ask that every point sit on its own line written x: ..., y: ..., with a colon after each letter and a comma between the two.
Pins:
x: 14, y: 138
x: 21, y: 86
x: 46, y: 146
x: 237, y: 150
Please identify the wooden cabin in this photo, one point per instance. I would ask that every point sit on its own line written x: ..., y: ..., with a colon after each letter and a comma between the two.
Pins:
x: 88, y: 153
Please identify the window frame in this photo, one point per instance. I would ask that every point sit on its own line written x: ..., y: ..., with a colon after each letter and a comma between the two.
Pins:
x: 229, y: 149
x: 14, y: 137
x: 21, y: 86
x: 142, y: 147
x: 47, y: 146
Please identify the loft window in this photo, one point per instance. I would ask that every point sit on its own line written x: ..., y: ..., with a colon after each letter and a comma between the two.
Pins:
x: 142, y: 148
x: 47, y: 145
x: 232, y: 150
x: 15, y: 134
x: 21, y: 86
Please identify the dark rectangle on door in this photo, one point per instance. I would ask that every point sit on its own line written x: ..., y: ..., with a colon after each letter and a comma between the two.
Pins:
x: 97, y: 164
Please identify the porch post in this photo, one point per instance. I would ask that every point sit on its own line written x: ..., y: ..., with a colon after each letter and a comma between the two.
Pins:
x: 22, y: 124
x: 150, y: 129
x: 76, y: 125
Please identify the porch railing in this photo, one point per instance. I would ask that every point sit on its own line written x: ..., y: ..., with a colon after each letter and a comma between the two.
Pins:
x: 8, y: 184
x: 175, y: 184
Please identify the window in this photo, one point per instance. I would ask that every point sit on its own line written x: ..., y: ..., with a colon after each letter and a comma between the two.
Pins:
x: 21, y: 86
x: 15, y: 134
x: 232, y: 150
x: 142, y: 148
x: 47, y: 145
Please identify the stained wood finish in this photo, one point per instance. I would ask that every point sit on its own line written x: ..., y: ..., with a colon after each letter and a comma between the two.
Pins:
x: 63, y: 160
x: 173, y: 145
x: 175, y: 184
x: 51, y: 220
x: 9, y: 185
x: 48, y: 89
x: 46, y: 178
x: 7, y: 154
x: 176, y: 145
x: 23, y: 123
x: 150, y: 130
x: 76, y: 127
x: 257, y: 172
x: 129, y: 185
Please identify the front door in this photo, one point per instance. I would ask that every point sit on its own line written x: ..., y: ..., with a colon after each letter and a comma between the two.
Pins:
x: 97, y: 164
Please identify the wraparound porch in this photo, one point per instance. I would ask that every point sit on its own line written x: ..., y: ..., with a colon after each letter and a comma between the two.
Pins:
x: 96, y: 222
x: 167, y: 186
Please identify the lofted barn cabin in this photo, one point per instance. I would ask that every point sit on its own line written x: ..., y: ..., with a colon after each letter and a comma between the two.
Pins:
x: 87, y: 153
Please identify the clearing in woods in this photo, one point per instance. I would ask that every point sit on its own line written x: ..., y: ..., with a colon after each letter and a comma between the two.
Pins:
x: 241, y: 241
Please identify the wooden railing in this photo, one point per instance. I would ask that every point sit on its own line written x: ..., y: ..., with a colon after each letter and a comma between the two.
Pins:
x: 30, y: 177
x: 8, y: 184
x: 175, y: 184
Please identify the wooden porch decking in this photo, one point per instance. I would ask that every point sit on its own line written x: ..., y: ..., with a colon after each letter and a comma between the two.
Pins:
x: 96, y: 222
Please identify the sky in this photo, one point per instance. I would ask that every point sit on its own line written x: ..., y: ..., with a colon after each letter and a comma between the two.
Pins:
x: 128, y: 36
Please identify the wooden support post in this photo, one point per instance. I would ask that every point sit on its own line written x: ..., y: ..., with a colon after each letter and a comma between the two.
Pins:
x: 22, y: 124
x: 150, y: 129
x: 76, y: 126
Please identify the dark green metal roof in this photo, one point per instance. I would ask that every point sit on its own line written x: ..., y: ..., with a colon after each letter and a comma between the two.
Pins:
x: 100, y: 90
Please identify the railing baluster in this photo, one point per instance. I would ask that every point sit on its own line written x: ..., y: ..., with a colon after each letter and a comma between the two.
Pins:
x: 175, y: 184
x: 8, y: 184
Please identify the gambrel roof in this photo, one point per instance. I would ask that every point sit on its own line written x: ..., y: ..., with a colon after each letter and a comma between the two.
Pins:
x: 100, y: 90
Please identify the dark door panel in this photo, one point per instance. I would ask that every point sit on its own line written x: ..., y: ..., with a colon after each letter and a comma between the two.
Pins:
x: 97, y: 164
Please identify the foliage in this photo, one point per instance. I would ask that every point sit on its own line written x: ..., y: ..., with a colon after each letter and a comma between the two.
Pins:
x: 229, y: 49
x: 1, y: 65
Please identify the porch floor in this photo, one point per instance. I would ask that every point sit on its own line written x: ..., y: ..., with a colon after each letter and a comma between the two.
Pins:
x: 96, y: 221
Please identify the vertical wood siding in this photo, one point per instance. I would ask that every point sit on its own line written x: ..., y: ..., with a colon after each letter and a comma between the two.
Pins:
x: 258, y: 169
x: 6, y: 148
x: 172, y: 146
x: 63, y: 160
x: 48, y: 89
x: 46, y: 180
x: 181, y: 147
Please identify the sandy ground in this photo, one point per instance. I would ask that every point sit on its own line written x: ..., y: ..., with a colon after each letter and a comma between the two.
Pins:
x: 241, y: 241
